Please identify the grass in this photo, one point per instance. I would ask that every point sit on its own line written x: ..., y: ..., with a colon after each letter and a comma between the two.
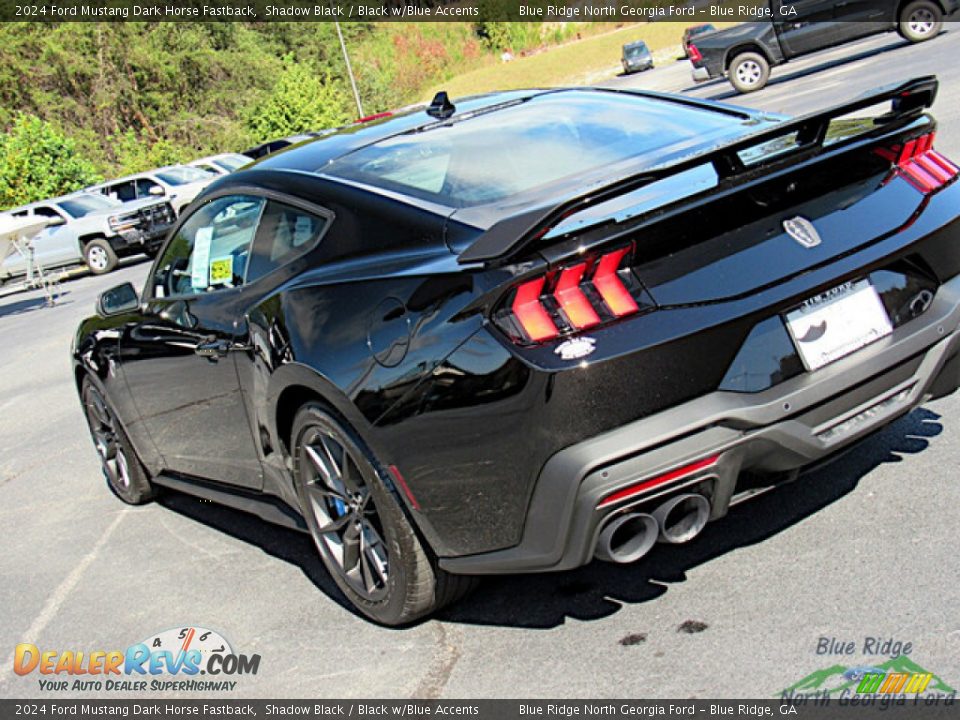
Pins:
x: 578, y: 62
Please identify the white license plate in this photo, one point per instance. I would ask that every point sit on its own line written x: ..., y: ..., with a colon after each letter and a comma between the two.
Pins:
x: 838, y: 322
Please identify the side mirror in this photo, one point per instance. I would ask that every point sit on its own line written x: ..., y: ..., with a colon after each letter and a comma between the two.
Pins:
x: 118, y: 300
x: 156, y: 191
x: 56, y: 221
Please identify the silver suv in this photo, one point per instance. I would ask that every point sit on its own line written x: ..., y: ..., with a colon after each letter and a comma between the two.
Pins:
x: 178, y: 184
x: 92, y: 229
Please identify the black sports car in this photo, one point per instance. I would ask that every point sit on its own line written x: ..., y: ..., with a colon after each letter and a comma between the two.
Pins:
x: 533, y: 328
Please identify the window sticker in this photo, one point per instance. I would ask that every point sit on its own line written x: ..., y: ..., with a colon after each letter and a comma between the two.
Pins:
x: 201, y: 258
x: 221, y: 270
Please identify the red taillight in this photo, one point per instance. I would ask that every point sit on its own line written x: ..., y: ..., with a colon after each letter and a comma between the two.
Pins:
x: 642, y: 487
x: 574, y: 298
x: 694, y: 54
x: 530, y: 313
x: 920, y: 165
x: 610, y: 287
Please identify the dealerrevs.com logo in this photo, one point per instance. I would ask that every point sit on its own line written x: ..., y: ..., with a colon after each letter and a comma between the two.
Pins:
x: 169, y: 661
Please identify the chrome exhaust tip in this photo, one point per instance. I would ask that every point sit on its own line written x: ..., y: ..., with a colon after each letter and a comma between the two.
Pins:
x: 682, y: 518
x: 627, y: 538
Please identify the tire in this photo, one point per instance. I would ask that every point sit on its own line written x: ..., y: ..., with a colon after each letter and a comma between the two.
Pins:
x: 99, y: 256
x: 125, y: 474
x: 370, y: 548
x: 920, y: 21
x: 749, y: 72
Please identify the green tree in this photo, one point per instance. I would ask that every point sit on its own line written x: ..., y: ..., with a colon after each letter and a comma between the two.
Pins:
x: 136, y: 153
x: 37, y: 161
x: 301, y: 100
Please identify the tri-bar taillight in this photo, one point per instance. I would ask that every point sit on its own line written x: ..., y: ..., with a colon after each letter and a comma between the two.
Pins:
x: 920, y: 165
x: 593, y: 291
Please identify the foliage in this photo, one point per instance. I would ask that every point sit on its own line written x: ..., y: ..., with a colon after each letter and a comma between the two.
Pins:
x: 37, y: 161
x: 134, y: 95
x: 301, y: 100
x: 136, y: 152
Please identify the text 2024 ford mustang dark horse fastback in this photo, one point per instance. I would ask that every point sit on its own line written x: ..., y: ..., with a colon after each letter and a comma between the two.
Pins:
x: 533, y: 328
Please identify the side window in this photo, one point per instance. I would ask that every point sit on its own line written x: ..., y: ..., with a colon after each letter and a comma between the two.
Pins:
x: 284, y: 233
x: 44, y: 211
x: 124, y: 191
x: 210, y: 250
x: 145, y: 185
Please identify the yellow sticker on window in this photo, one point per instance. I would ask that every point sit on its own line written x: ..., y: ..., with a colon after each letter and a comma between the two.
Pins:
x: 221, y: 270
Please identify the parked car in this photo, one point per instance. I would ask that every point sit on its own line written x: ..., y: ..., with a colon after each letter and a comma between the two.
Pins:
x: 745, y: 53
x: 532, y: 328
x: 222, y: 164
x: 636, y: 57
x: 92, y: 229
x: 272, y: 146
x: 178, y: 184
x: 692, y: 32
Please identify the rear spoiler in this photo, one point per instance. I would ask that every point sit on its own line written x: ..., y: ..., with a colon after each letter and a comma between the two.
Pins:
x: 511, y: 234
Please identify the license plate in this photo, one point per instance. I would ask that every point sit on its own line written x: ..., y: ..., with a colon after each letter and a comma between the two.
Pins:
x: 838, y: 322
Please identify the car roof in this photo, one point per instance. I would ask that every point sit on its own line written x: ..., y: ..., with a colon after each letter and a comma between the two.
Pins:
x: 313, y: 153
x: 54, y: 200
x: 313, y: 157
x: 207, y: 158
x: 134, y: 176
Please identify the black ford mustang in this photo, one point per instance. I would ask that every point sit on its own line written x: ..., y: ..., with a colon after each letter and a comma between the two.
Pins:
x: 533, y: 328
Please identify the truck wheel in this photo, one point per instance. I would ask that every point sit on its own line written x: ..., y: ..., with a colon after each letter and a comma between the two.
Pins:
x: 749, y: 71
x: 921, y: 21
x: 99, y: 256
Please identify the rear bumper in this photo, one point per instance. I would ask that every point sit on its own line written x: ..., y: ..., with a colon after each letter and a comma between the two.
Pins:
x: 793, y: 424
x: 700, y: 74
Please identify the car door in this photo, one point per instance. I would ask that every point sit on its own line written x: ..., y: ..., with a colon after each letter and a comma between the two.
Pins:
x: 177, y: 355
x: 55, y: 245
x: 805, y: 25
x: 860, y: 18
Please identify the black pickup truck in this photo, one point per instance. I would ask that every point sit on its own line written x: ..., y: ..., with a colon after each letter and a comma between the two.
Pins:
x: 745, y: 53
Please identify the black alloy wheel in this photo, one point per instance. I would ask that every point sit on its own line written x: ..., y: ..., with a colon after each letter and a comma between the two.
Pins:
x: 125, y: 475
x: 369, y: 546
x: 345, y: 513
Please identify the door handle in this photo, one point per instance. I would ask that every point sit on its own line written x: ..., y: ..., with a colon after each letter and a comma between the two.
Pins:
x: 213, y: 349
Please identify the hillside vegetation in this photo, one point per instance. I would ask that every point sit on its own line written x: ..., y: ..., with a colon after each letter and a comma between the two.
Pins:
x: 114, y: 98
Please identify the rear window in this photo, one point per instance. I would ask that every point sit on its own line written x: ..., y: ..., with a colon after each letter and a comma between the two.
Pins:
x: 232, y: 162
x: 183, y: 175
x: 504, y: 152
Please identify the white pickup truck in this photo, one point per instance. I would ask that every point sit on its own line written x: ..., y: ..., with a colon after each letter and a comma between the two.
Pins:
x: 90, y: 228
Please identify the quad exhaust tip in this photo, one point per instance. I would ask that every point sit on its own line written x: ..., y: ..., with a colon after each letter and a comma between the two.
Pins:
x: 682, y: 518
x: 627, y: 538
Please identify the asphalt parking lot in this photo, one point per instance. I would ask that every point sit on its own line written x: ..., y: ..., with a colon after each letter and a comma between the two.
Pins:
x: 862, y: 548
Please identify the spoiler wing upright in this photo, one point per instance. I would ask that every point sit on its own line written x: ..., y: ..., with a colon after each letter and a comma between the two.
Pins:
x: 512, y: 234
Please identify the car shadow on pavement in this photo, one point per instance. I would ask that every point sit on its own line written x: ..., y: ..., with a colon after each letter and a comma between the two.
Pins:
x: 601, y: 589
x: 291, y: 546
x: 777, y: 78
